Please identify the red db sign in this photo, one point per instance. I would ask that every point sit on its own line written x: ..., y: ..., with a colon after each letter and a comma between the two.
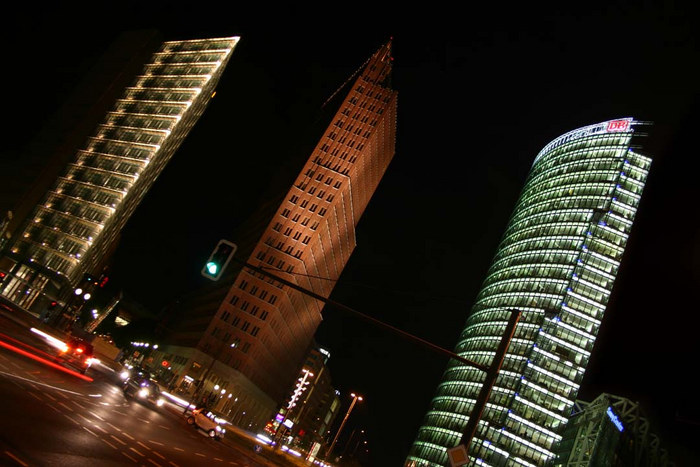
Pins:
x: 618, y: 125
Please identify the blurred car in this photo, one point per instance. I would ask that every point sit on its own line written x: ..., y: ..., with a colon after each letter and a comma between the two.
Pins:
x: 144, y: 389
x: 77, y: 353
x: 207, y: 421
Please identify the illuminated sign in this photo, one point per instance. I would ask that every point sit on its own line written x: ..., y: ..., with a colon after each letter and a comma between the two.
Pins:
x: 618, y: 125
x: 616, y: 421
x: 611, y: 126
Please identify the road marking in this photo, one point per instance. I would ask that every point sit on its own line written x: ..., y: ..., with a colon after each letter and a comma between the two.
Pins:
x: 64, y: 405
x: 132, y: 459
x: 117, y: 440
x: 164, y: 427
x: 156, y: 442
x: 84, y: 417
x: 142, y: 445
x: 71, y: 419
x: 217, y: 459
x: 128, y: 436
x: 153, y: 462
x: 92, y: 433
x: 110, y: 444
x: 97, y: 416
x: 113, y: 426
x: 16, y: 459
x: 173, y: 464
x: 137, y: 452
x: 199, y: 454
x: 179, y: 449
x: 159, y: 455
x: 50, y: 396
x: 39, y: 383
x: 35, y: 396
x: 95, y: 425
x: 143, y: 420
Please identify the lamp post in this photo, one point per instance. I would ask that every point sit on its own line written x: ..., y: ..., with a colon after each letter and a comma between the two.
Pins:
x: 300, y: 388
x: 355, y: 398
x: 200, y: 385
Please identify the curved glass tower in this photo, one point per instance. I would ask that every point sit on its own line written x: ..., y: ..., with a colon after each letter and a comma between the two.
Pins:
x: 557, y: 264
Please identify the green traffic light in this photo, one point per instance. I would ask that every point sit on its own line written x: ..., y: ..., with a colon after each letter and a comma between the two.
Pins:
x: 212, y: 267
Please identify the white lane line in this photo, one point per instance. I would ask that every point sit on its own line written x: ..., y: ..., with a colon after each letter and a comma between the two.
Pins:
x: 91, y: 432
x: 65, y: 406
x: 84, y: 417
x: 132, y: 459
x: 113, y: 426
x: 16, y: 459
x: 128, y: 436
x: 155, y: 442
x: 159, y: 455
x: 199, y: 454
x: 164, y: 427
x: 173, y: 464
x: 50, y: 396
x: 109, y: 444
x: 97, y: 416
x: 39, y: 383
x: 143, y: 420
x: 179, y: 449
x: 35, y: 396
x: 137, y: 452
x: 153, y: 462
x: 143, y: 445
x: 217, y: 459
x: 71, y: 419
x: 117, y: 440
x: 95, y: 425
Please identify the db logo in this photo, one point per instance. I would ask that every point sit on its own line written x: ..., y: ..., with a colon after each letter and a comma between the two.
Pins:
x: 618, y: 125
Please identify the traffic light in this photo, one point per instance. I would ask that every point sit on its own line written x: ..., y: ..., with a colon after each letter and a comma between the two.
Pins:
x: 219, y: 259
x: 53, y: 304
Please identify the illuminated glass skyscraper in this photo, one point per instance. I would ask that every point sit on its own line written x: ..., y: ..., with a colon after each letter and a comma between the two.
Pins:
x: 87, y: 193
x: 557, y: 263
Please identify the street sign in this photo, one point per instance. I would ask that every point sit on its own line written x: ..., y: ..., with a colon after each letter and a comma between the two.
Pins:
x: 458, y: 456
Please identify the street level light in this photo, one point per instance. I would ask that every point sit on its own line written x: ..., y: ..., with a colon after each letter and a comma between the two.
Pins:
x: 355, y: 398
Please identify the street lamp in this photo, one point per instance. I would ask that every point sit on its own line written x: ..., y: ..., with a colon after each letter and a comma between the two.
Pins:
x: 200, y: 385
x: 355, y: 398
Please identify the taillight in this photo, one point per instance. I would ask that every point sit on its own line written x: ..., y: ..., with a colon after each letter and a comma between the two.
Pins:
x: 79, y: 350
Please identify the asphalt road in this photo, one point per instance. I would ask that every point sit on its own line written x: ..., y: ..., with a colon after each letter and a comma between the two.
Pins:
x: 56, y: 417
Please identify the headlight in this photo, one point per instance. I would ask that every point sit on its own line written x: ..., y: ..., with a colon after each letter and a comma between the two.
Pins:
x: 124, y: 374
x: 143, y: 392
x: 160, y: 402
x: 218, y: 428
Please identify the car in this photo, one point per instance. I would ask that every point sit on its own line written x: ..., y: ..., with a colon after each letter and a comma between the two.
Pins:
x: 208, y: 422
x: 77, y: 353
x: 144, y: 389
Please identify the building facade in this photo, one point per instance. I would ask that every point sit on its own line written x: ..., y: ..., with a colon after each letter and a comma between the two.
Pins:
x: 70, y: 219
x: 611, y: 430
x: 556, y: 263
x: 256, y: 336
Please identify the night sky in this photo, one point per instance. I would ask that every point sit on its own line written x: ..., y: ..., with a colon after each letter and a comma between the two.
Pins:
x: 481, y: 91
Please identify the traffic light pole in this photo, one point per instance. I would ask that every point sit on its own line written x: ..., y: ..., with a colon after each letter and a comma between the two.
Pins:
x: 491, y: 370
x: 367, y: 318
